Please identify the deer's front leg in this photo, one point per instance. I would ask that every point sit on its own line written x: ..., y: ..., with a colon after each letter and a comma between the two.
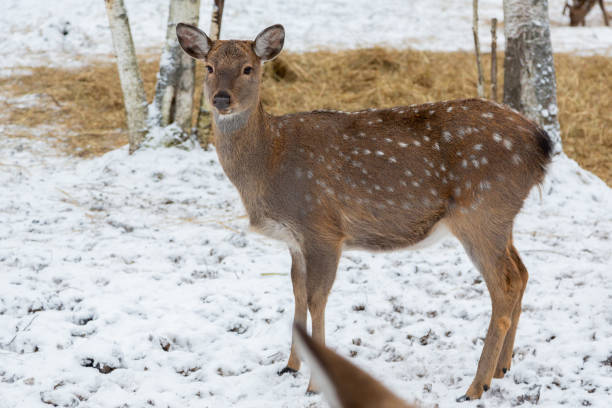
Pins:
x: 298, y: 279
x: 321, y: 265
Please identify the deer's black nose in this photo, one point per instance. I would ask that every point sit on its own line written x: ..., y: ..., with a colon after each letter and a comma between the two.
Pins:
x: 221, y: 100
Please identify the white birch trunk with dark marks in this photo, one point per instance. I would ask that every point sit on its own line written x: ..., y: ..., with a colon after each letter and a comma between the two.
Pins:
x: 204, y: 122
x: 135, y: 101
x: 529, y: 71
x: 173, y: 100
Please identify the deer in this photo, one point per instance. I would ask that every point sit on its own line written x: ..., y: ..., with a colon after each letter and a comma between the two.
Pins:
x: 344, y: 384
x: 378, y: 180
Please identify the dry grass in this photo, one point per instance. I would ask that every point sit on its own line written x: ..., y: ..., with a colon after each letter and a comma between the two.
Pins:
x: 87, y: 103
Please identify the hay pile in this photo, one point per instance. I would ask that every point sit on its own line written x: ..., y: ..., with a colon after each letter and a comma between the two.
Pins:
x: 86, y: 108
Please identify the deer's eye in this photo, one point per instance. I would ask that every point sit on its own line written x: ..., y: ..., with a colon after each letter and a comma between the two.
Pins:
x: 210, y: 69
x: 247, y: 70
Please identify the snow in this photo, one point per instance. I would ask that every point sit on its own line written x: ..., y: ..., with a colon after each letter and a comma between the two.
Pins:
x: 34, y: 32
x: 131, y: 280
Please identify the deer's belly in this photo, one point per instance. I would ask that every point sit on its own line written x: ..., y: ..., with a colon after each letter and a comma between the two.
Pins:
x: 387, y: 239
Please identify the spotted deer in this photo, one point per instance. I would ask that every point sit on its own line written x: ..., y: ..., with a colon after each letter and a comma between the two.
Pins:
x: 343, y: 384
x: 377, y: 179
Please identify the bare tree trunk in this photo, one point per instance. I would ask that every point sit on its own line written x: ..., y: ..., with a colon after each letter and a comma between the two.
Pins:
x: 477, y: 48
x: 606, y: 17
x: 529, y: 71
x: 494, y: 59
x: 131, y: 83
x: 204, y: 123
x: 173, y: 100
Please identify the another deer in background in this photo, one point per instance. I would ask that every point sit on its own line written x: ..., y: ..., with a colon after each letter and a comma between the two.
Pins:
x: 378, y: 179
x: 344, y: 384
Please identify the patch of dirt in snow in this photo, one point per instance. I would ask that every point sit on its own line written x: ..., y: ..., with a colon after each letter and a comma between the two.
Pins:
x: 131, y: 280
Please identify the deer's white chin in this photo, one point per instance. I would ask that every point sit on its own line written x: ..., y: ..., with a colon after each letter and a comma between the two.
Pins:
x: 231, y: 120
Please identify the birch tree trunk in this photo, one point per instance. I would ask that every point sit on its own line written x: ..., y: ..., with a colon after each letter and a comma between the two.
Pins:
x: 204, y: 123
x: 529, y: 71
x: 131, y: 82
x: 173, y: 100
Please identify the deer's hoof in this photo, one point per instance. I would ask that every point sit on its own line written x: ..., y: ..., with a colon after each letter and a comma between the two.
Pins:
x: 286, y: 370
x: 463, y: 398
x: 499, y: 373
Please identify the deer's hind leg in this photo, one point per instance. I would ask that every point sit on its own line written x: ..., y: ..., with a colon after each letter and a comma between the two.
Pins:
x: 505, y: 357
x: 489, y: 245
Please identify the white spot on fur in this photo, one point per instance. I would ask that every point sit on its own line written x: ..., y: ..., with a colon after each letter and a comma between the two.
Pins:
x: 497, y: 137
x: 309, y: 174
x: 484, y: 185
x: 508, y: 144
x: 408, y: 173
x: 366, y: 151
x: 379, y: 153
x: 449, y: 109
x: 436, y: 146
x: 416, y: 143
x: 388, y: 140
x: 392, y: 159
x: 478, y: 147
x: 487, y: 115
x: 464, y: 163
x: 415, y: 183
x: 447, y: 135
x: 516, y: 159
x: 484, y: 161
x: 402, y: 144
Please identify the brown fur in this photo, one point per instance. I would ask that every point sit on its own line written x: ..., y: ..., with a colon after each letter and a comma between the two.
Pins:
x: 378, y: 180
x: 344, y: 384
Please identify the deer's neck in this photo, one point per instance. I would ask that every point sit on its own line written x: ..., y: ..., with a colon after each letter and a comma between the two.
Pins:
x: 244, y: 148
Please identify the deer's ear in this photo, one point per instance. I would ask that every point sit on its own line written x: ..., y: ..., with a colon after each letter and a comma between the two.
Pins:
x: 194, y: 41
x: 269, y: 43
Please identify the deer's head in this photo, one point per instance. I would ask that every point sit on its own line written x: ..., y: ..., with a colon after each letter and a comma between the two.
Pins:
x: 233, y: 68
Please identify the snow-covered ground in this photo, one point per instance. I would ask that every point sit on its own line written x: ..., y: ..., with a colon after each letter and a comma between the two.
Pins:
x: 42, y: 32
x: 130, y: 280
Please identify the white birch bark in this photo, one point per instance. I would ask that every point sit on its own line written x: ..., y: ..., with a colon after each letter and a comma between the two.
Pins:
x: 204, y: 123
x: 129, y: 75
x: 173, y: 100
x: 529, y: 71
